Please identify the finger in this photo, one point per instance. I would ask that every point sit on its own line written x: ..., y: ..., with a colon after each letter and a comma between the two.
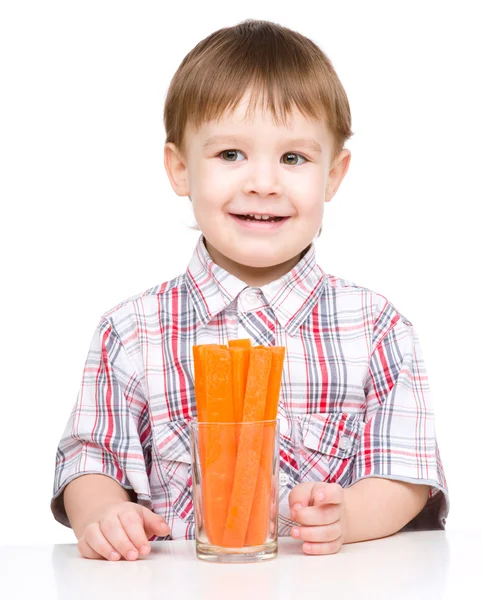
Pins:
x: 316, y: 515
x: 322, y: 548
x: 94, y: 545
x: 300, y: 494
x: 133, y: 525
x: 326, y: 493
x: 86, y: 551
x: 326, y: 533
x: 154, y: 524
x: 114, y: 533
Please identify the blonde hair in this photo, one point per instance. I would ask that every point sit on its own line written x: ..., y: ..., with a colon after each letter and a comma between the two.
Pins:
x: 282, y: 66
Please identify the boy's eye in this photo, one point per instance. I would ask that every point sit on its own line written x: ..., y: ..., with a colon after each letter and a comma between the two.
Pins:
x: 228, y: 155
x: 291, y: 155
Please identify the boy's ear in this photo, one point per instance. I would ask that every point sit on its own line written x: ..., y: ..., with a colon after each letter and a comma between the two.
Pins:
x: 176, y: 169
x: 338, y: 169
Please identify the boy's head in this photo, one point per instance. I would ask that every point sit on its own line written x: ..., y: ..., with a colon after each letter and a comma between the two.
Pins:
x: 256, y: 120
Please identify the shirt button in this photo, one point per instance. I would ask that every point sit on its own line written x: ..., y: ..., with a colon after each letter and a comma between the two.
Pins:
x: 284, y: 479
x: 344, y: 443
x: 251, y: 298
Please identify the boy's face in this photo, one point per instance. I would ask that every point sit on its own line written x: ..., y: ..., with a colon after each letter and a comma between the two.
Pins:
x: 258, y: 168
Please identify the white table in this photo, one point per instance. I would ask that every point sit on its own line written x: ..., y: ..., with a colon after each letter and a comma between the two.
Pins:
x: 408, y: 566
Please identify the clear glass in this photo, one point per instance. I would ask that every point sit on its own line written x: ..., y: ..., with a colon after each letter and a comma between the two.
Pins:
x: 235, y: 490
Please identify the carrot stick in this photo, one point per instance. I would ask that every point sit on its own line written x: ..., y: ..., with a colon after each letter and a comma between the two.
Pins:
x: 199, y: 382
x: 200, y: 378
x: 240, y: 351
x: 275, y: 377
x: 258, y: 525
x: 242, y: 343
x: 220, y: 455
x: 201, y: 407
x: 240, y: 366
x: 249, y: 450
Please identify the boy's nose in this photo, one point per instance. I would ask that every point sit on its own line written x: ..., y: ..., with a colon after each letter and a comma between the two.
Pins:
x: 263, y: 180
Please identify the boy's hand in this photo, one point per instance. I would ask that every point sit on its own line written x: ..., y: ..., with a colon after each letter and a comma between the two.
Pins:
x: 320, y: 509
x: 122, y: 531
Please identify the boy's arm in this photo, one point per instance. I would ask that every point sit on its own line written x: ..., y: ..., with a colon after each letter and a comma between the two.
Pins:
x: 377, y: 507
x: 110, y: 386
x: 397, y: 443
x: 88, y: 496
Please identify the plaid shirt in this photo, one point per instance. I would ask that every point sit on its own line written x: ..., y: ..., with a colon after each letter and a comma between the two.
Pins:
x: 354, y: 402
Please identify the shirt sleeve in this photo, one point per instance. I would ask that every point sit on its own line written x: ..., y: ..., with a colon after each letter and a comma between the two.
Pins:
x: 108, y: 431
x: 399, y: 440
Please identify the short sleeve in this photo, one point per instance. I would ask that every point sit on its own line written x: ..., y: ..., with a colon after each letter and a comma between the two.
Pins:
x: 108, y: 431
x: 399, y: 440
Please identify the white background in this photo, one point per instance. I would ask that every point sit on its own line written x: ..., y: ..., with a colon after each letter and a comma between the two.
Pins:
x: 88, y: 217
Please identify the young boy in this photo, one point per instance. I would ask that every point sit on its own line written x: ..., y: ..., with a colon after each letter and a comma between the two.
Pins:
x: 256, y: 120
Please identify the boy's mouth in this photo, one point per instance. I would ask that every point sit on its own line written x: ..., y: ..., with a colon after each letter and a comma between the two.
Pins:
x: 259, y: 223
x: 260, y: 218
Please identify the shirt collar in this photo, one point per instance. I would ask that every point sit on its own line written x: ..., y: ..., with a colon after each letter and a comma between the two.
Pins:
x: 292, y: 297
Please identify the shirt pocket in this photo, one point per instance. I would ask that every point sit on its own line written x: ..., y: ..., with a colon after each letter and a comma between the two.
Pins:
x: 328, y: 445
x: 174, y: 459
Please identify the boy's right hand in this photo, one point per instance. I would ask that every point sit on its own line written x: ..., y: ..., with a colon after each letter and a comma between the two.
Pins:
x: 122, y: 531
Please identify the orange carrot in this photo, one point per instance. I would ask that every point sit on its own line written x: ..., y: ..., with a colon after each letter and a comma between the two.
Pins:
x: 199, y: 381
x: 201, y: 406
x: 240, y: 365
x: 240, y: 351
x: 242, y: 343
x: 200, y: 378
x: 275, y: 377
x: 249, y: 450
x: 258, y: 525
x: 220, y: 455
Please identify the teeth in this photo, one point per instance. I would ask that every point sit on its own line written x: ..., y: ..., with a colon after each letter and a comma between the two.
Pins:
x: 259, y: 217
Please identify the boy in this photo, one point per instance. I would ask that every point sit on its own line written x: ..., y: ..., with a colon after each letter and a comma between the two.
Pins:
x: 256, y: 120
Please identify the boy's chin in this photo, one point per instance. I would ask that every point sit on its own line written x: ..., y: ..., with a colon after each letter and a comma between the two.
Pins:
x: 253, y: 254
x: 261, y: 260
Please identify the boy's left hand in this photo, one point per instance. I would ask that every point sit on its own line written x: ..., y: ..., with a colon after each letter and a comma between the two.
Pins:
x: 319, y: 508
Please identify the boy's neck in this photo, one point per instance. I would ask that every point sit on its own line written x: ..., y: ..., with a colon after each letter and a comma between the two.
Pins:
x: 253, y: 276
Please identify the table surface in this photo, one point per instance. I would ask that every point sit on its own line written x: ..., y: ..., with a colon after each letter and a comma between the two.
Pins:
x: 409, y: 565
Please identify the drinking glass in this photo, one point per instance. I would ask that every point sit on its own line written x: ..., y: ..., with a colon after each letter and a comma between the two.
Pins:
x: 235, y: 490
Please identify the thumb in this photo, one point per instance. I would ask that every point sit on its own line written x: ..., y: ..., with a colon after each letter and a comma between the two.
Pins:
x: 319, y: 493
x: 154, y: 524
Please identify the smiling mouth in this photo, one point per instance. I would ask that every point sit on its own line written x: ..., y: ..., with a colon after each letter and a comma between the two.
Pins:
x: 260, y: 218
